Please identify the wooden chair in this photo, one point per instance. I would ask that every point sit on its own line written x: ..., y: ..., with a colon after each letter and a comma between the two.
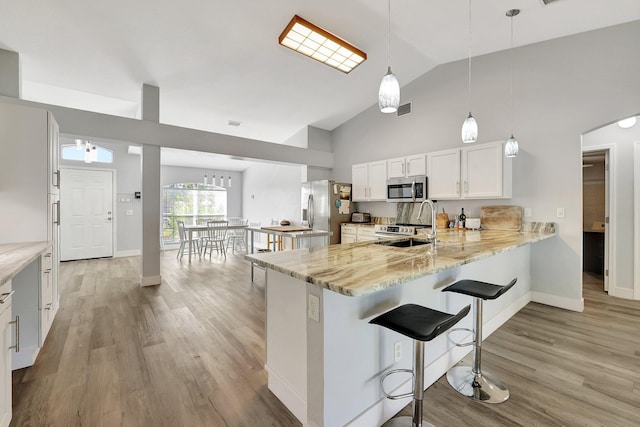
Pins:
x: 184, y: 241
x: 216, y: 236
x: 237, y: 236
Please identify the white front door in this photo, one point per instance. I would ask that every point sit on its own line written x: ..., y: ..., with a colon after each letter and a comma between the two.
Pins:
x: 86, y: 211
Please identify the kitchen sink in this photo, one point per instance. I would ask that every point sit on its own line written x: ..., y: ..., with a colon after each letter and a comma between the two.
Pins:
x: 405, y: 243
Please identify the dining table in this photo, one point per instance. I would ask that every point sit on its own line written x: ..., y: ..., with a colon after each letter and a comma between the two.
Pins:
x: 197, y: 228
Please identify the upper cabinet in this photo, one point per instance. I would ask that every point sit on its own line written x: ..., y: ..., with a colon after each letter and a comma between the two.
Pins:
x: 403, y: 167
x: 369, y: 181
x: 53, y: 152
x: 473, y: 172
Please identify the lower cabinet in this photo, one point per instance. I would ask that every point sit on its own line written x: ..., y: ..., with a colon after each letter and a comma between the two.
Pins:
x: 352, y: 233
x: 5, y: 356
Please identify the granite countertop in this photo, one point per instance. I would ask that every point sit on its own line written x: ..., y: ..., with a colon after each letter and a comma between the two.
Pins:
x: 16, y: 256
x: 362, y: 268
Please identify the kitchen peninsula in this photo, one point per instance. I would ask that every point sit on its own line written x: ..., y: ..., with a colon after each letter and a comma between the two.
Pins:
x: 324, y: 360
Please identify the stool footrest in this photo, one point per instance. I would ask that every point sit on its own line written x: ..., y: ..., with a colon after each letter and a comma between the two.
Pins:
x: 462, y: 344
x: 396, y: 371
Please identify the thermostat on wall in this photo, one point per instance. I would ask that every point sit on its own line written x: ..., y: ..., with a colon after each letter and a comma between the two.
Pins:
x: 137, y: 195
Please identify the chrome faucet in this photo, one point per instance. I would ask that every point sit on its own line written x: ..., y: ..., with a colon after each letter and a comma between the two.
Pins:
x: 434, y: 231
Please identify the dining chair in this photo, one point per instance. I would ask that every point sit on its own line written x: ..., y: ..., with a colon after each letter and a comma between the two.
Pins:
x: 216, y: 235
x: 184, y: 241
x: 238, y: 236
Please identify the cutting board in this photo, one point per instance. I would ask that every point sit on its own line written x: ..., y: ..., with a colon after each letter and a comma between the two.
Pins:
x: 287, y: 228
x: 501, y: 218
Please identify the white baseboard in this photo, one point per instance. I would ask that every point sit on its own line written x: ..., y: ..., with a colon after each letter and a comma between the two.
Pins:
x: 287, y: 395
x: 25, y: 358
x: 122, y: 254
x: 560, y: 302
x: 150, y: 280
x: 619, y: 292
x: 385, y: 409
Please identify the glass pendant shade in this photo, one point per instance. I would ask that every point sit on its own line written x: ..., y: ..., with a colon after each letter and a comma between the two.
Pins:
x: 389, y: 93
x: 469, y: 130
x: 229, y: 182
x: 511, y: 147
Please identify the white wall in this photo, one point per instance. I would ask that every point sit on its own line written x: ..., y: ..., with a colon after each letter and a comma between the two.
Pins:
x: 128, y: 236
x: 272, y: 191
x: 622, y: 172
x: 562, y: 88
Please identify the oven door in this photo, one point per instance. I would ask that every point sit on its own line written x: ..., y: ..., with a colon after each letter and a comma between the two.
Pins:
x: 407, y: 189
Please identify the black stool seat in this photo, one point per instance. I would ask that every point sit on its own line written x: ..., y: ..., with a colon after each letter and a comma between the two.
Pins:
x: 417, y: 322
x: 478, y: 289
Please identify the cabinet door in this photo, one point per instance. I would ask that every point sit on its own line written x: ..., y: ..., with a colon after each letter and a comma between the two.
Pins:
x: 482, y: 171
x: 359, y: 182
x: 46, y: 297
x: 366, y: 234
x: 443, y: 170
x: 416, y: 165
x: 395, y: 168
x: 378, y: 180
x: 53, y: 151
x: 5, y: 366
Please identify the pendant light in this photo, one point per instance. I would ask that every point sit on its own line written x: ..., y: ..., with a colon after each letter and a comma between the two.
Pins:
x: 470, y: 126
x: 511, y: 146
x: 205, y: 178
x: 389, y: 92
x: 229, y: 181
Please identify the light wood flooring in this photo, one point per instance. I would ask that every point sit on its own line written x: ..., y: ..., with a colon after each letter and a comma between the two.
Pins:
x: 191, y: 353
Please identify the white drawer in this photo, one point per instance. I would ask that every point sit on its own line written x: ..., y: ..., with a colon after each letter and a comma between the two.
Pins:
x: 5, y: 296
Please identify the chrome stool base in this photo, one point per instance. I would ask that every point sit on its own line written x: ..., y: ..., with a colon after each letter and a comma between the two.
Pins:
x: 405, y: 421
x: 482, y: 387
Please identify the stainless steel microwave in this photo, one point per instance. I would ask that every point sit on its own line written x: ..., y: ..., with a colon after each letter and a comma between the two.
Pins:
x: 412, y: 189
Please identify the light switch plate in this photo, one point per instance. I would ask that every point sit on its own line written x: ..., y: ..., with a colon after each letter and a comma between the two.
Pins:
x: 527, y: 212
x: 313, y: 308
x: 560, y: 212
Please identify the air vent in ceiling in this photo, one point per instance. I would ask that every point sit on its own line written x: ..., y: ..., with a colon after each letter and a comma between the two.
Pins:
x: 404, y: 109
x: 234, y: 123
x: 546, y: 2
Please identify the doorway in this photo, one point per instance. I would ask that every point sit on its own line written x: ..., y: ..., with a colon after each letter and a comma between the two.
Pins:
x: 86, y: 212
x: 595, y: 217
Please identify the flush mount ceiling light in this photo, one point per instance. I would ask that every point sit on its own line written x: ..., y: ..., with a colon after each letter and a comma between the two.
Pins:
x: 470, y: 126
x: 511, y: 146
x: 627, y: 123
x: 310, y: 40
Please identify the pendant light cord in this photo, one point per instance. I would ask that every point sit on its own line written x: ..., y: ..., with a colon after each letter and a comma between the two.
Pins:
x: 389, y: 32
x: 469, y: 54
x: 511, y: 68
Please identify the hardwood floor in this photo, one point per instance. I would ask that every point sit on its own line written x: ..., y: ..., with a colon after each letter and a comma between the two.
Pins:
x: 191, y: 353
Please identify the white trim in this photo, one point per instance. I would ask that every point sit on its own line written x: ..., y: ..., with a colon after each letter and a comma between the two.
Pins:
x: 636, y: 220
x: 287, y: 395
x: 132, y: 252
x: 610, y: 228
x: 556, y: 301
x: 150, y: 280
x: 385, y: 409
x: 626, y: 293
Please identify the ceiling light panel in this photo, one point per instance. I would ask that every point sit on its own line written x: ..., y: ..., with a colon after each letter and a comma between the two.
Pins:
x: 310, y: 40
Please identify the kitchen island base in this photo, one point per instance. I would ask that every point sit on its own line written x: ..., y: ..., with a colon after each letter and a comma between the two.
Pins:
x: 327, y: 371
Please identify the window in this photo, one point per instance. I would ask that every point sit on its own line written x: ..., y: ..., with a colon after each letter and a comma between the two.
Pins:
x: 88, y: 153
x: 192, y: 203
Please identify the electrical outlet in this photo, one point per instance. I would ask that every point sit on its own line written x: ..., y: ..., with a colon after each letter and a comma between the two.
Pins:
x: 527, y: 212
x: 397, y: 351
x: 560, y: 212
x: 313, y: 308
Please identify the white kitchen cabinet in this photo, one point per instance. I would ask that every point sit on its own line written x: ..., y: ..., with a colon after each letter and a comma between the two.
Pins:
x: 352, y: 233
x: 474, y: 172
x: 5, y: 355
x: 369, y: 181
x: 366, y: 234
x: 443, y: 173
x: 404, y: 167
x: 348, y: 233
x: 45, y: 306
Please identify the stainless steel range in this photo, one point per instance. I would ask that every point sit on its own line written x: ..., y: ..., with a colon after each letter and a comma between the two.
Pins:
x: 382, y: 230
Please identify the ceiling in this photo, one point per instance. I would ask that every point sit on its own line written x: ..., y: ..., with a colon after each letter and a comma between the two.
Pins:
x: 217, y: 61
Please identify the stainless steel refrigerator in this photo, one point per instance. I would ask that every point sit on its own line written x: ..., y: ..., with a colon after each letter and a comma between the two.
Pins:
x: 325, y: 205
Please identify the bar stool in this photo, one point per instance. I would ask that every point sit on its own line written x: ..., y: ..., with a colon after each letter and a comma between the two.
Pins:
x: 420, y: 324
x: 470, y: 380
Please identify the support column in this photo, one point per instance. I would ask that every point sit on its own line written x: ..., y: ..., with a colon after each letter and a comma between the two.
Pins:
x: 150, y: 103
x: 150, y: 215
x: 10, y: 82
